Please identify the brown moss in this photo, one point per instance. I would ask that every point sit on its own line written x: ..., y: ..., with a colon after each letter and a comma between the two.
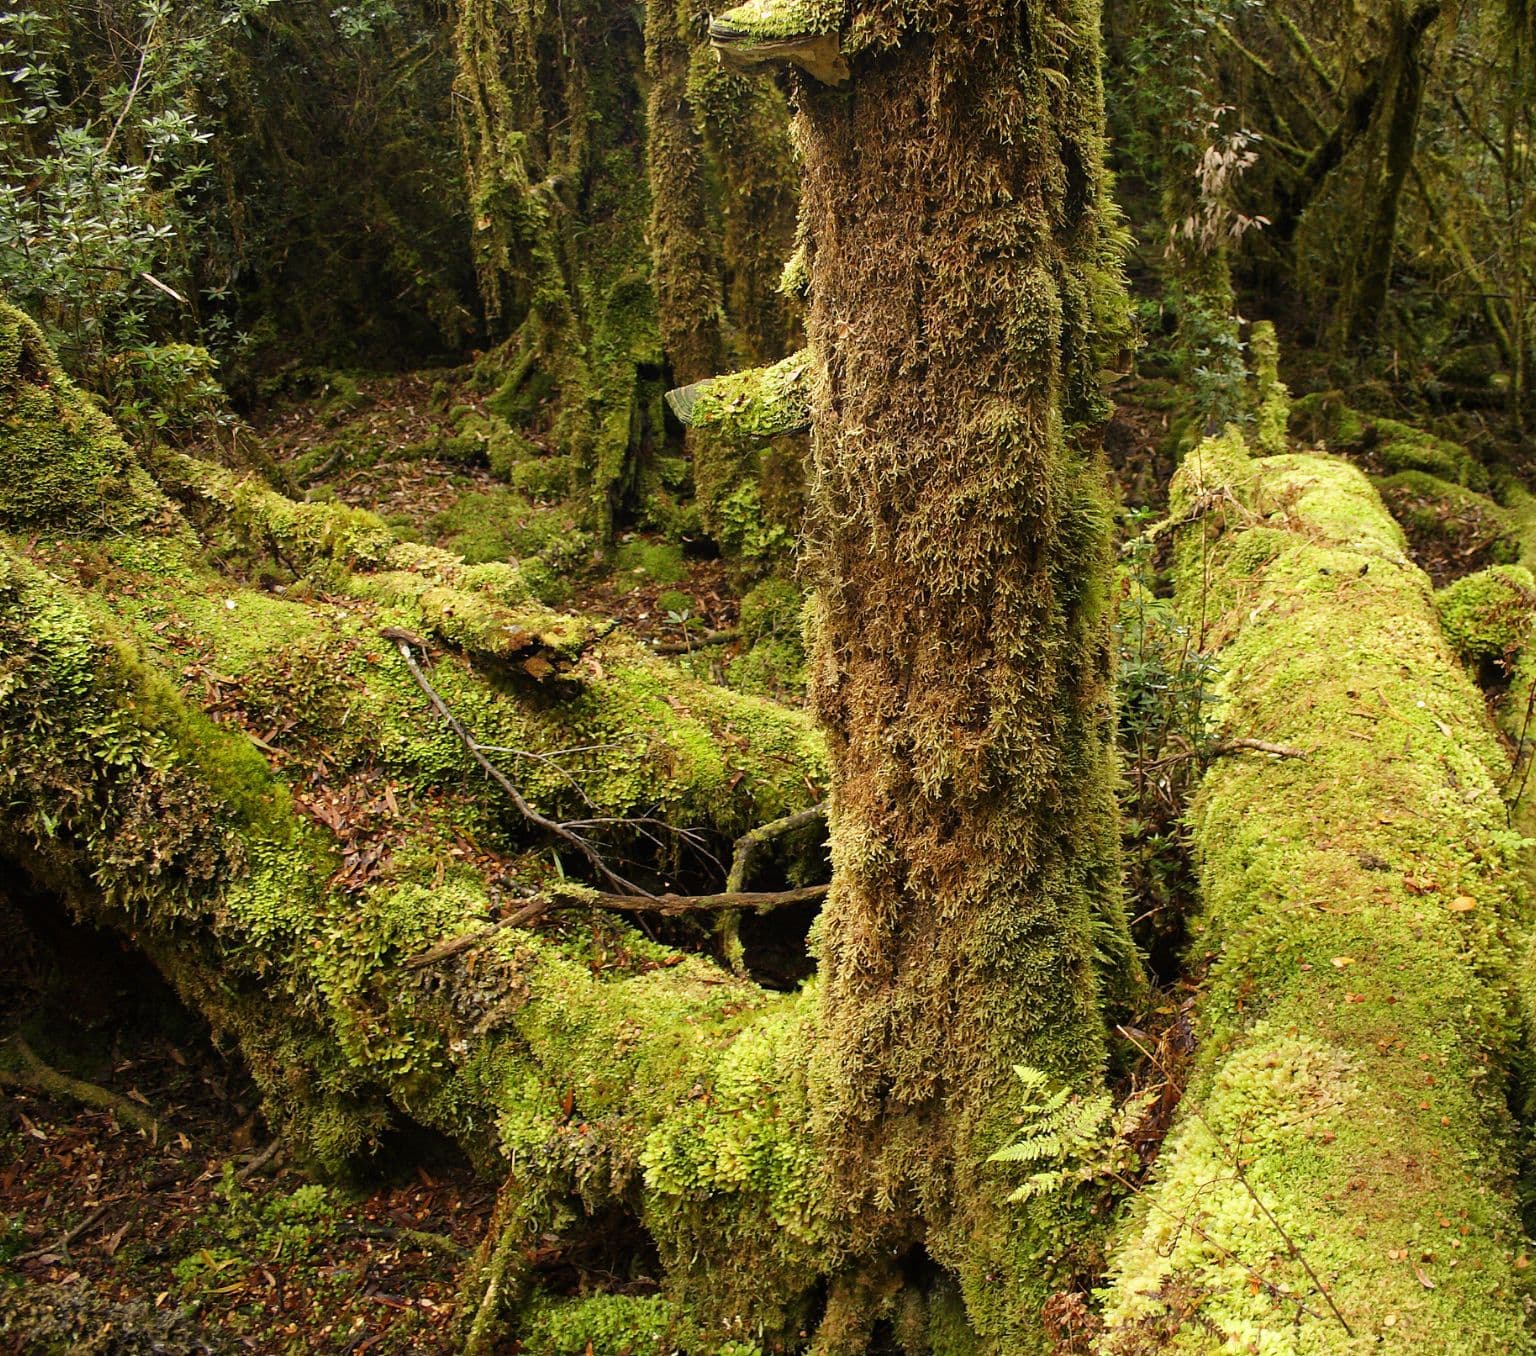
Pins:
x: 955, y: 246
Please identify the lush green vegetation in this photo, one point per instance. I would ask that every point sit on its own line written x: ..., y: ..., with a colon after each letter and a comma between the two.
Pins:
x: 871, y: 660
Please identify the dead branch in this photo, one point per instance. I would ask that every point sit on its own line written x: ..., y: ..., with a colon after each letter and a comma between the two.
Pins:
x: 751, y: 843
x: 676, y: 647
x: 21, y: 1068
x: 549, y: 826
x: 576, y: 897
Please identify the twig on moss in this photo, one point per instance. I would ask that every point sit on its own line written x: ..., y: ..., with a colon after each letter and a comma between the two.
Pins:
x: 553, y: 828
x: 1241, y: 1176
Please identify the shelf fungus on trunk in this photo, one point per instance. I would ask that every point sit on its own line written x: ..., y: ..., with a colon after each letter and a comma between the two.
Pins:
x: 760, y: 403
x: 761, y: 31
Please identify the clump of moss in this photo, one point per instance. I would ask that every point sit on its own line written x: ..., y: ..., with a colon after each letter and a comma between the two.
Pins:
x: 772, y: 662
x: 761, y: 403
x: 1272, y: 398
x: 502, y: 525
x: 1385, y: 443
x: 1487, y: 616
x: 62, y: 463
x: 637, y: 1325
x: 642, y: 562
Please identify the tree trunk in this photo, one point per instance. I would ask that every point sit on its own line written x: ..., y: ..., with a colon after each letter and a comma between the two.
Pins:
x: 1402, y: 101
x: 962, y: 663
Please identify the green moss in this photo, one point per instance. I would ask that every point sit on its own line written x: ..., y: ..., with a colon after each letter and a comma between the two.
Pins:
x: 62, y: 463
x: 773, y: 20
x: 1272, y: 402
x: 1453, y: 529
x: 1387, y: 443
x: 761, y: 403
x: 1487, y: 616
x: 773, y: 660
x: 636, y: 1325
x: 502, y: 525
x: 1360, y: 905
x: 647, y: 562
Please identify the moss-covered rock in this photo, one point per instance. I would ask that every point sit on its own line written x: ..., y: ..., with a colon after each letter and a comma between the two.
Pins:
x: 1345, y: 1153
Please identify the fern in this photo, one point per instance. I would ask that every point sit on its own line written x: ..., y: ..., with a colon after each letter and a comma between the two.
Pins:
x: 1070, y: 1140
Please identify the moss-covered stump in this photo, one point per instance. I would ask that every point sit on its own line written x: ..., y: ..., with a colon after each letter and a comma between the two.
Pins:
x: 210, y: 743
x: 1341, y: 1174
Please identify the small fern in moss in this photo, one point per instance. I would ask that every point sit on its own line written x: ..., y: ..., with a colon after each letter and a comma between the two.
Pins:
x: 1071, y: 1140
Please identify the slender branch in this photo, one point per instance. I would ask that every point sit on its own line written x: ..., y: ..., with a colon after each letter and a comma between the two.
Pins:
x: 732, y: 899
x: 576, y: 897
x: 133, y: 93
x: 674, y: 647
x: 549, y: 826
x: 23, y: 1069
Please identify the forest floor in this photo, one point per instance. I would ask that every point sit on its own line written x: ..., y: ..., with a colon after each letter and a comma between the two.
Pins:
x: 196, y: 1236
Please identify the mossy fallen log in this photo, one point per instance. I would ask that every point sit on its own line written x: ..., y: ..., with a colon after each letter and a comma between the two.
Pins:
x: 208, y: 745
x: 1341, y: 1175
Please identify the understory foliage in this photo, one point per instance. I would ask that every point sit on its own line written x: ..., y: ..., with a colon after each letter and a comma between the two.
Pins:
x: 1383, y: 160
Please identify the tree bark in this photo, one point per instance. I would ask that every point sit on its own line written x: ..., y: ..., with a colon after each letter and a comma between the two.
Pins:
x: 962, y: 662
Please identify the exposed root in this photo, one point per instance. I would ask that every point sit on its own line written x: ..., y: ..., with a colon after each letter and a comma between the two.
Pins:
x: 21, y: 1068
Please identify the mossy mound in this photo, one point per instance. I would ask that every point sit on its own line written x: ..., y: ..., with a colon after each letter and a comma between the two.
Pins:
x: 1487, y: 616
x: 1453, y: 530
x: 62, y: 463
x: 1386, y: 445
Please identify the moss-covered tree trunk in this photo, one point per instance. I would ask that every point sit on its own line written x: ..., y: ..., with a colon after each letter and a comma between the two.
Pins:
x: 961, y: 668
x: 1402, y: 103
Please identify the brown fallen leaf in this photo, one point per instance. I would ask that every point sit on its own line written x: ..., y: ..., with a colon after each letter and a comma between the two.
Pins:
x: 1462, y: 904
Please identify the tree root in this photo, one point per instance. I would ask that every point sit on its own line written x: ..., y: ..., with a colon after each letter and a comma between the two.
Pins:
x: 21, y: 1068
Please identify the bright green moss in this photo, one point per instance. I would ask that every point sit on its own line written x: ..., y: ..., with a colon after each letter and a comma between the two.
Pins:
x: 1360, y: 908
x: 1272, y: 404
x: 638, y: 1325
x: 776, y: 20
x: 642, y: 562
x: 764, y: 402
x: 502, y: 525
x: 1487, y: 616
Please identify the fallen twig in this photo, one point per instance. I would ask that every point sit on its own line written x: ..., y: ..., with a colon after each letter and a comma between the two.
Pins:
x: 676, y: 647
x: 549, y: 826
